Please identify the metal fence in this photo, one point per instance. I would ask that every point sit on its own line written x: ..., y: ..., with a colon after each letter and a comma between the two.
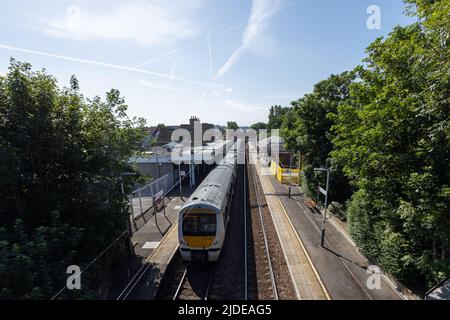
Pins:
x: 141, y: 200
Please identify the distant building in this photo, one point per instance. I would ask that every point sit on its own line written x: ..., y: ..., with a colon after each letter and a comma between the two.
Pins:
x: 161, y: 135
x: 274, y: 154
x: 190, y: 128
x: 156, y: 162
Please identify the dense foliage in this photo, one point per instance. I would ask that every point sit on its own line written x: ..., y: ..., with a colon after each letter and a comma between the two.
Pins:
x: 259, y: 126
x: 306, y: 129
x: 61, y: 157
x: 276, y: 114
x: 232, y: 125
x: 386, y: 124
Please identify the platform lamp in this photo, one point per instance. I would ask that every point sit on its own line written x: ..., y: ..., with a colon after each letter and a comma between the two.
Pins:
x: 290, y: 174
x: 330, y: 167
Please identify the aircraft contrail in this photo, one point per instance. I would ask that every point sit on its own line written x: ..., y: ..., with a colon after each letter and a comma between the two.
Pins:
x: 108, y: 65
x: 212, y: 36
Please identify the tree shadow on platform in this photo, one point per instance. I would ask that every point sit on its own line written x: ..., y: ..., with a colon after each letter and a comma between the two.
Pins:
x: 344, y: 258
x: 282, y: 194
x: 134, y: 279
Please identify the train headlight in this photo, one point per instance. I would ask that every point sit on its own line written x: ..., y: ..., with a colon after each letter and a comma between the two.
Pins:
x: 182, y: 243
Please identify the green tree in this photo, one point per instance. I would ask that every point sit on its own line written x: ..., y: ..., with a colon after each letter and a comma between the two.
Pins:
x: 259, y: 125
x: 61, y: 157
x: 232, y: 125
x: 288, y: 130
x: 392, y: 137
x: 276, y: 116
x: 306, y: 128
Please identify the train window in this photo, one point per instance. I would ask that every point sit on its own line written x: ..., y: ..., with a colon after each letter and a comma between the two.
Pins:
x: 207, y: 223
x: 199, y: 225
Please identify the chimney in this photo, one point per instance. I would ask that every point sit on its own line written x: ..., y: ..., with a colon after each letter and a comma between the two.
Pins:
x: 192, y: 120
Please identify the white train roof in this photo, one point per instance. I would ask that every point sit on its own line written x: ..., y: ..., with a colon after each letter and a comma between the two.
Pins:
x: 214, y: 188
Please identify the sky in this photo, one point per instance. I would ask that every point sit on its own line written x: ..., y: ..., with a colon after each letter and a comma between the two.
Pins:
x: 220, y: 60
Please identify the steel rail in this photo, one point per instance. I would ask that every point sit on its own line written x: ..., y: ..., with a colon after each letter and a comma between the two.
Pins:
x: 272, y: 277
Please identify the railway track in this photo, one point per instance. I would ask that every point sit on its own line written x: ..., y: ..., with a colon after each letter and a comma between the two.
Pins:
x: 245, y: 233
x: 195, y: 283
x: 265, y: 275
x: 230, y: 277
x: 251, y: 265
x: 226, y: 279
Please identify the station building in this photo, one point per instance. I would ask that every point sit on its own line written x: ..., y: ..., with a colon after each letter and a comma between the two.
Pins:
x: 281, y: 161
x: 157, y: 162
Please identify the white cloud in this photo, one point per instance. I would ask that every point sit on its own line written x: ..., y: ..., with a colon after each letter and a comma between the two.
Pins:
x: 141, y: 22
x: 172, y: 69
x: 160, y: 86
x: 222, y: 91
x: 202, y: 97
x: 242, y: 106
x: 209, y: 52
x: 257, y: 24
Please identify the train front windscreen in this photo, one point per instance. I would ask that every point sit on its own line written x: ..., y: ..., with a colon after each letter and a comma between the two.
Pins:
x: 199, y: 224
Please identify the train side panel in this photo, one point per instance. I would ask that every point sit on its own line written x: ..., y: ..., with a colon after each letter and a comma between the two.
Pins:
x: 203, y: 218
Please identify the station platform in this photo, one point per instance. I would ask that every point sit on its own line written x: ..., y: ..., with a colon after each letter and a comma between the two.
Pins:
x: 151, y: 230
x: 307, y: 282
x: 155, y: 241
x: 158, y: 262
x: 344, y: 270
x: 339, y: 267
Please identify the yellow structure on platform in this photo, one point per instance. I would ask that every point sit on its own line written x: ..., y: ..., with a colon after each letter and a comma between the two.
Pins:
x: 285, y: 175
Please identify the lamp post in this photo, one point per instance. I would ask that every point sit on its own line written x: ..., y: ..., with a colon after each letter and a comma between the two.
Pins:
x: 179, y: 179
x: 157, y: 167
x: 327, y: 170
x: 290, y: 175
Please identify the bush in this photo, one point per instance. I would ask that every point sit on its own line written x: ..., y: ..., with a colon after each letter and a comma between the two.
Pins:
x: 337, y: 210
x: 362, y: 226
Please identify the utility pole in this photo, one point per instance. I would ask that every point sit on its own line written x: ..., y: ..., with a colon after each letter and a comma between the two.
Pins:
x: 179, y: 179
x: 157, y: 167
x: 327, y: 170
x: 290, y: 175
x: 300, y: 160
x: 322, y: 239
x: 300, y: 170
x: 192, y: 169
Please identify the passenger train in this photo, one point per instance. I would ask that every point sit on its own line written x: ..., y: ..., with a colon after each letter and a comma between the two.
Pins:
x: 204, y: 216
